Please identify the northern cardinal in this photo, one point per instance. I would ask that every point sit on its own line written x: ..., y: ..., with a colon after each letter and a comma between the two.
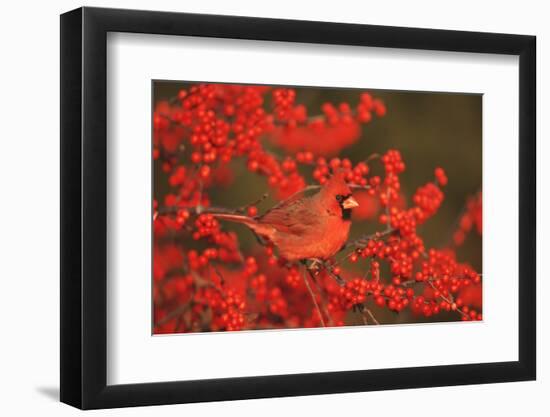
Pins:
x: 303, y: 227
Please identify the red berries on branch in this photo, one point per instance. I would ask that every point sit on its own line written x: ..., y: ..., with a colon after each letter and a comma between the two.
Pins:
x: 470, y: 219
x: 205, y: 281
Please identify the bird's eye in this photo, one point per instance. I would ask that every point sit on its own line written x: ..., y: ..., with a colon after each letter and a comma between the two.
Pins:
x: 339, y: 198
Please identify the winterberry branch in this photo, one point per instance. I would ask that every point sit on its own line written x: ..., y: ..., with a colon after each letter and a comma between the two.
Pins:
x: 313, y: 298
x: 364, y: 310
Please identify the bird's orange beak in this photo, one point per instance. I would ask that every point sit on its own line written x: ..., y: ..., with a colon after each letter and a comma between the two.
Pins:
x: 350, y: 203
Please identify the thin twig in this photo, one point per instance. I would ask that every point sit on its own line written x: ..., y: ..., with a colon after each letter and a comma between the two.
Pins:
x: 254, y: 203
x: 313, y: 298
x: 363, y: 240
x: 450, y: 301
x: 387, y: 210
x: 173, y: 314
x: 323, y: 296
x: 372, y: 316
x: 199, y: 208
x: 363, y: 309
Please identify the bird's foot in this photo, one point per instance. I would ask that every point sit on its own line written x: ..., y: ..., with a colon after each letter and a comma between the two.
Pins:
x: 315, y: 265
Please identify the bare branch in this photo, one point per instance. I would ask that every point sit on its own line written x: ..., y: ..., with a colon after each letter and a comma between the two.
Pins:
x: 313, y: 298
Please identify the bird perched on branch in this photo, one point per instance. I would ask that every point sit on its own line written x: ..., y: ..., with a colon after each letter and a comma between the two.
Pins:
x: 305, y: 227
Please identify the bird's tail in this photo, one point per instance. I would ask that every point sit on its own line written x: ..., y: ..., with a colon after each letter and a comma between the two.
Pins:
x: 264, y: 232
x: 236, y: 218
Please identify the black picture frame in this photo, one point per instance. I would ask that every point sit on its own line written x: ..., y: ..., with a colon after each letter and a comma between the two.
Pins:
x: 84, y: 207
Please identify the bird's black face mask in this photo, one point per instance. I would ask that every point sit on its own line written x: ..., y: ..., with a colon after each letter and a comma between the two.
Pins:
x: 346, y: 203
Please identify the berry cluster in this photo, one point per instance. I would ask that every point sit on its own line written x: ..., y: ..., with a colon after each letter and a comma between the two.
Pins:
x: 427, y: 198
x: 336, y: 128
x: 472, y: 216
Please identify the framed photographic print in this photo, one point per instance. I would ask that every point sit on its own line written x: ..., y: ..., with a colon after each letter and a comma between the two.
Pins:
x: 257, y: 208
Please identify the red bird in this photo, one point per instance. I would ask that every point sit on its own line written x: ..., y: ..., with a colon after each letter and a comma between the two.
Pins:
x: 302, y: 227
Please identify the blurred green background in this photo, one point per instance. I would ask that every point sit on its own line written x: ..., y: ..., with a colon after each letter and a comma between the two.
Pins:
x: 429, y: 129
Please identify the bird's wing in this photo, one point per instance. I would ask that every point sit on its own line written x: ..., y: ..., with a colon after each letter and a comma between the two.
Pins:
x: 290, y: 216
x: 299, y: 197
